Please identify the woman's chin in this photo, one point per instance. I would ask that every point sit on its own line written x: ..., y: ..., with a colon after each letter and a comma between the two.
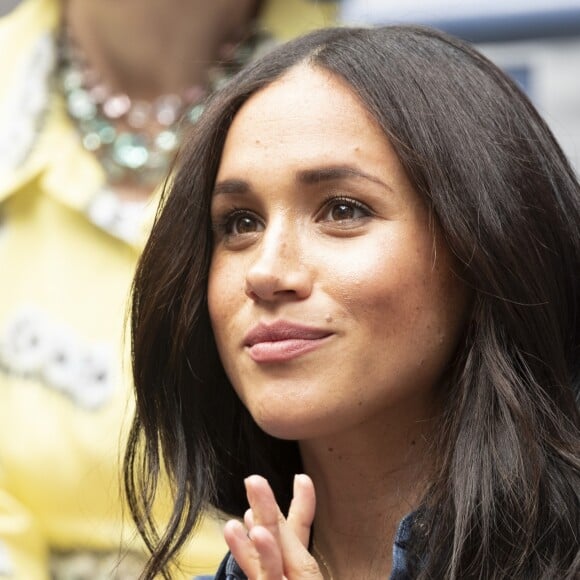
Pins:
x: 292, y: 428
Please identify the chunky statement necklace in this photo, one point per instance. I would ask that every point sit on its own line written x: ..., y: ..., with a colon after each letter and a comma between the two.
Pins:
x: 134, y: 141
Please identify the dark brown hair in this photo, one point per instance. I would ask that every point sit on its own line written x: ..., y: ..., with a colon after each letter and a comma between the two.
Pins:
x: 505, y: 499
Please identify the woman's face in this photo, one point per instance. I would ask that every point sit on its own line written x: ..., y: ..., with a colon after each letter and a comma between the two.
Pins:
x: 331, y: 294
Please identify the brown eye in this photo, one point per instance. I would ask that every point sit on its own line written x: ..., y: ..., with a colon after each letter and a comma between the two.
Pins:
x: 342, y: 211
x: 243, y: 223
x: 345, y: 210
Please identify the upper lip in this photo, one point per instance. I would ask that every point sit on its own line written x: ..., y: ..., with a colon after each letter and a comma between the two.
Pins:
x: 282, y: 330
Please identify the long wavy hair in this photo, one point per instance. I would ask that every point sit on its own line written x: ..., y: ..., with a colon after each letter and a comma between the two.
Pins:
x: 504, y: 500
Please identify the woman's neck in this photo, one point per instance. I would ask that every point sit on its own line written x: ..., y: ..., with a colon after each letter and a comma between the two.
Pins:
x: 366, y: 481
x: 145, y: 48
x: 149, y: 60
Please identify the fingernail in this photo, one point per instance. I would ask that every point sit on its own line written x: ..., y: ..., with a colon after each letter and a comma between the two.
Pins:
x: 300, y: 478
x: 248, y: 487
x: 296, y: 482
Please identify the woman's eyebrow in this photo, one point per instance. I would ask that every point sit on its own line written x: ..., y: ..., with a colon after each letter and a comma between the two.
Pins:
x: 305, y: 176
x: 335, y: 172
x: 231, y: 186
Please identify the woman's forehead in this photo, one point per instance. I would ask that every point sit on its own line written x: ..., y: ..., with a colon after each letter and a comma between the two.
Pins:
x: 308, y: 113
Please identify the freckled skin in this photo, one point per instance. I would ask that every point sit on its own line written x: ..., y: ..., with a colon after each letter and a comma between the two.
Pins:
x: 394, y: 311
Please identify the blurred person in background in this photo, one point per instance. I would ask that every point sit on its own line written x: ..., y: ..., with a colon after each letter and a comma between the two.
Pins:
x: 95, y: 98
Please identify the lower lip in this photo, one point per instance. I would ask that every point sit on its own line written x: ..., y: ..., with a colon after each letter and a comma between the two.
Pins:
x: 284, y: 350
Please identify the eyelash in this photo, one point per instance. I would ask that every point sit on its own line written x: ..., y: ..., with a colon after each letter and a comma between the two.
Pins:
x: 334, y: 199
x: 225, y: 221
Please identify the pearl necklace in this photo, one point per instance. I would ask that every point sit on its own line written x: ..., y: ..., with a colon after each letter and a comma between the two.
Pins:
x: 134, y: 141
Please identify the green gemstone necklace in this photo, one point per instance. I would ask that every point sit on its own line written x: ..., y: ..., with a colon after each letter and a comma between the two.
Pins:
x: 134, y: 141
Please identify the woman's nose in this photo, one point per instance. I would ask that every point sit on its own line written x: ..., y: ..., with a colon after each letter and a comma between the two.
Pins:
x: 278, y: 271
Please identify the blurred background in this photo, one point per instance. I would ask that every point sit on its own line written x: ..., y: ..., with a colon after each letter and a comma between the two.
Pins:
x: 7, y: 5
x: 536, y: 41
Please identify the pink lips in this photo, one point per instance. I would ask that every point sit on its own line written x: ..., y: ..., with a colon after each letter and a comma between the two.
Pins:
x: 282, y: 341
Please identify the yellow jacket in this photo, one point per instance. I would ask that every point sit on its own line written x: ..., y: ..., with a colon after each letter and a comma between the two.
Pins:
x: 67, y: 255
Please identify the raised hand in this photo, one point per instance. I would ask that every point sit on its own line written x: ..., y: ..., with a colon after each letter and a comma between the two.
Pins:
x: 270, y: 546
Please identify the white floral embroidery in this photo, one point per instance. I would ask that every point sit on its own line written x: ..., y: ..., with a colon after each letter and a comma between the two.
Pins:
x: 34, y: 347
x: 61, y: 361
x: 95, y: 385
x: 21, y: 107
x: 24, y: 344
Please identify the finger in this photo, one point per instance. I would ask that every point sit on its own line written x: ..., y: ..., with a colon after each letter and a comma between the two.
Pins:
x: 242, y: 548
x: 269, y: 553
x: 249, y: 519
x: 257, y: 553
x: 263, y: 504
x: 295, y: 532
x: 302, y: 508
x: 298, y: 562
x: 280, y: 550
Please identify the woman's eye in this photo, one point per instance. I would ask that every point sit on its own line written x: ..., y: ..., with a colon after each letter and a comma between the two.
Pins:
x: 342, y: 210
x: 240, y: 223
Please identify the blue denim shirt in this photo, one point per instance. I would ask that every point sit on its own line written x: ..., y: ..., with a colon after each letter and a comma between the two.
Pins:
x: 229, y: 569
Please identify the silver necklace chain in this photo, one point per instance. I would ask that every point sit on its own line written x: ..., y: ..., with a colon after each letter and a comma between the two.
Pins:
x: 318, y: 555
